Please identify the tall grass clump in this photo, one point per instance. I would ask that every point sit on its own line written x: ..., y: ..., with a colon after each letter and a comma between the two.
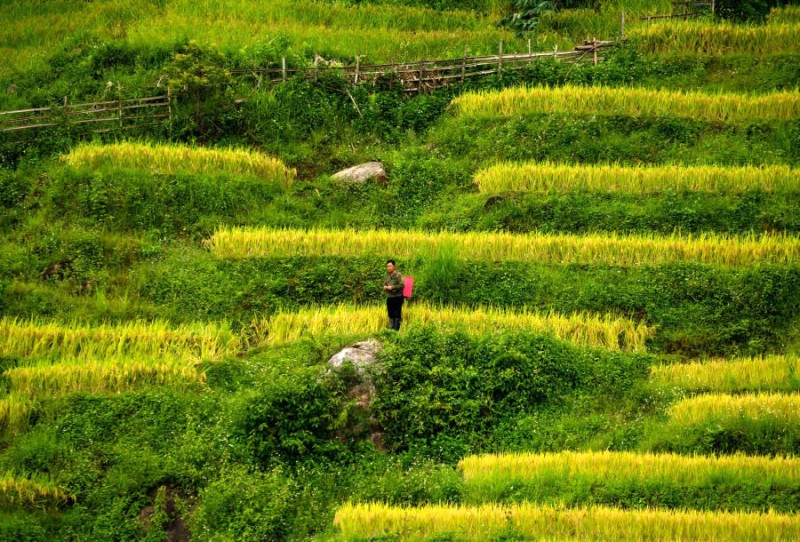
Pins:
x: 16, y: 492
x: 543, y: 522
x: 37, y: 338
x: 608, y: 249
x: 635, y: 102
x: 784, y: 15
x: 164, y: 158
x: 717, y: 38
x: 582, y: 328
x: 546, y: 176
x: 634, y: 480
x: 771, y: 373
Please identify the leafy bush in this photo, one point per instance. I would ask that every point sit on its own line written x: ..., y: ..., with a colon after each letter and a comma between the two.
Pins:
x: 443, y: 392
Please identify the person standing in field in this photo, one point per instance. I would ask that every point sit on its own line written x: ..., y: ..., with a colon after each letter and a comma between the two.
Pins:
x: 393, y: 288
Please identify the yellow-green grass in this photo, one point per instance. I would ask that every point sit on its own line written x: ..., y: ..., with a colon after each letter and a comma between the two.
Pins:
x: 16, y: 492
x: 771, y: 373
x: 606, y: 249
x: 99, y: 376
x: 381, y: 33
x: 583, y: 328
x: 715, y: 38
x: 785, y: 14
x: 546, y: 176
x: 528, y: 520
x: 165, y: 158
x: 636, y: 102
x: 39, y: 338
x: 33, y: 31
x: 493, y: 470
x: 779, y: 410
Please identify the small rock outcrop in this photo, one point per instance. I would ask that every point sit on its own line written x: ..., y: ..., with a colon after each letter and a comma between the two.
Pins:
x: 362, y: 173
x: 361, y: 389
x: 362, y: 355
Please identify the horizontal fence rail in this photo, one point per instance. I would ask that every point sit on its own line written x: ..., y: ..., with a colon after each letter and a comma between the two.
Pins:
x: 420, y: 76
x: 425, y: 75
x: 125, y: 112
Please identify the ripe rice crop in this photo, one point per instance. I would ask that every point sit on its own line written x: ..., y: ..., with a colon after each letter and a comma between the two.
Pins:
x: 785, y: 14
x: 779, y: 410
x: 31, y: 338
x: 109, y: 375
x: 772, y: 373
x: 21, y: 493
x: 545, y: 176
x: 14, y: 409
x: 605, y: 249
x: 487, y: 474
x: 585, y: 329
x: 171, y: 158
x: 635, y: 102
x: 528, y: 520
x: 717, y: 38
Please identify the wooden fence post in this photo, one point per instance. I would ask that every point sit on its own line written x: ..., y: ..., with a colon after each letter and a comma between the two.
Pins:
x: 358, y: 68
x: 316, y: 66
x: 283, y: 69
x: 623, y: 25
x: 500, y: 59
x: 464, y: 65
x: 169, y: 105
x: 421, y: 75
x: 119, y: 103
x: 594, y: 48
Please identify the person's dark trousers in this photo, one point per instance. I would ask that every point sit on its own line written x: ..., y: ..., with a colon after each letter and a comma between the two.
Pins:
x: 394, y: 306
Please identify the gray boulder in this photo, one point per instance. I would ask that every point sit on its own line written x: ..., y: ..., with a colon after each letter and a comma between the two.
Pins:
x: 362, y: 173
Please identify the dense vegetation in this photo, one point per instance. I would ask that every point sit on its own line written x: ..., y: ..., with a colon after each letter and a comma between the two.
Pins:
x: 584, y: 238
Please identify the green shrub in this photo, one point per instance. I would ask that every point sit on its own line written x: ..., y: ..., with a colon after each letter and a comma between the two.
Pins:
x: 443, y: 392
x: 247, y: 506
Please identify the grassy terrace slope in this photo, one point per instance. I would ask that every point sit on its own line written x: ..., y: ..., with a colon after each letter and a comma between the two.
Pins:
x: 603, y: 339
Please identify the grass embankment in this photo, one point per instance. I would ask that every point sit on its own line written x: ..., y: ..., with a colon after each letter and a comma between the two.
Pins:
x: 531, y: 521
x: 634, y: 480
x: 610, y: 249
x: 758, y: 423
x: 585, y: 329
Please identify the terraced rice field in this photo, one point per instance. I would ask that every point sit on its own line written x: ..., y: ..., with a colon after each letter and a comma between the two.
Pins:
x: 634, y: 102
x: 608, y: 249
x: 545, y: 177
x: 585, y: 329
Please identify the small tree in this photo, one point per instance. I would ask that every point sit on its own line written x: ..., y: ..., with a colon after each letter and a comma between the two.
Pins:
x: 200, y: 75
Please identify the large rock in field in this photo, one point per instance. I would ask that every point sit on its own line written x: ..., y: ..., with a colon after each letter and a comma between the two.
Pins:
x: 362, y: 173
x: 363, y: 356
